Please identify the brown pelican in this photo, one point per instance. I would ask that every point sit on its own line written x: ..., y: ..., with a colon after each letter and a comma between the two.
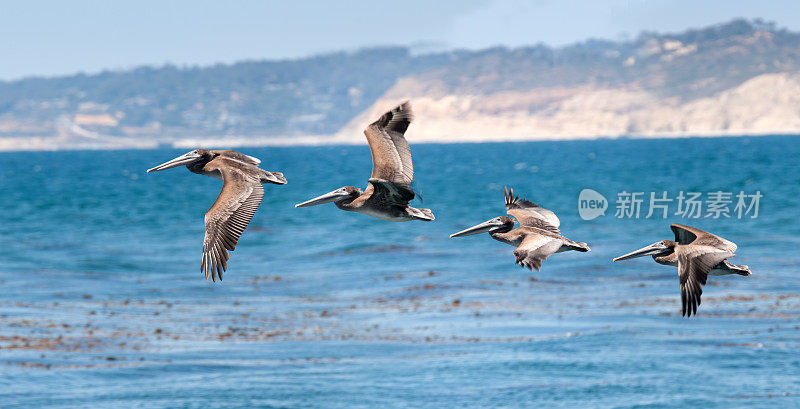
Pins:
x: 537, y: 236
x: 697, y: 254
x: 389, y: 192
x: 236, y: 204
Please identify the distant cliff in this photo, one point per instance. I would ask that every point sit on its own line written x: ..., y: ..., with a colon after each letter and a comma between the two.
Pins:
x: 741, y: 77
x: 737, y: 78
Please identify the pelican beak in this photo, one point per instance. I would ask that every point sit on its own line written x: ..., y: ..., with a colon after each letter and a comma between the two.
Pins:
x: 326, y: 198
x: 484, y: 227
x: 650, y: 250
x: 180, y: 160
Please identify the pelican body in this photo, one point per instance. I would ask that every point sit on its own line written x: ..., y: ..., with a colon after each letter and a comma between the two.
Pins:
x: 697, y: 254
x: 537, y: 236
x: 241, y: 194
x: 388, y: 194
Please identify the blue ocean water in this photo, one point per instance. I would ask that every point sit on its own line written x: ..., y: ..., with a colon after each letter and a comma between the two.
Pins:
x: 104, y: 305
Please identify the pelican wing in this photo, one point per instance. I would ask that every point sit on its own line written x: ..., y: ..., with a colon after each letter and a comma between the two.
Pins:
x: 534, y: 249
x: 530, y: 214
x: 691, y: 235
x: 694, y: 263
x: 229, y: 215
x: 388, y: 193
x: 391, y: 155
x: 238, y: 156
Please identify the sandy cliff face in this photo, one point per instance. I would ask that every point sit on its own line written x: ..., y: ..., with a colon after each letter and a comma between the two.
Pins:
x: 768, y: 103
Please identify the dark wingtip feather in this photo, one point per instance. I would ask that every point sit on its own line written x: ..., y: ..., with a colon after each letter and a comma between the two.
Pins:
x: 683, y: 302
x: 398, y: 118
x: 404, y: 111
x: 508, y: 194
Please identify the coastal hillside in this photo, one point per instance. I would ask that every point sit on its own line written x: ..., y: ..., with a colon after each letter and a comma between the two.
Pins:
x: 740, y: 77
x: 254, y: 100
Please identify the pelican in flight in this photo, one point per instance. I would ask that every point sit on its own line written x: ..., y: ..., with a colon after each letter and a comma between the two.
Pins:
x: 389, y: 192
x: 236, y: 204
x: 537, y: 236
x: 697, y: 254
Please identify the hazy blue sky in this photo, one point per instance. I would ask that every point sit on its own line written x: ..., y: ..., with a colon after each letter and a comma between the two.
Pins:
x: 52, y: 37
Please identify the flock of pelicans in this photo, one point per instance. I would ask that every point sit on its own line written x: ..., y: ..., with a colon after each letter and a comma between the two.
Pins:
x: 696, y: 253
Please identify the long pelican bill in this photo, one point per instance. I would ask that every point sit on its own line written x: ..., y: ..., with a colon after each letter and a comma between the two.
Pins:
x: 326, y: 198
x: 180, y: 160
x: 650, y: 250
x: 478, y: 229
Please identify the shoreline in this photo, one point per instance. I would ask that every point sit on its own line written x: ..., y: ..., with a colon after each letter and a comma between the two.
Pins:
x: 39, y: 144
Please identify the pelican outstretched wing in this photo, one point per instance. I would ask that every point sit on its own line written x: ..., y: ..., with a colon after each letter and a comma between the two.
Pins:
x: 391, y: 155
x: 229, y: 215
x: 389, y: 193
x: 691, y: 235
x: 694, y: 263
x: 530, y: 214
x: 534, y: 249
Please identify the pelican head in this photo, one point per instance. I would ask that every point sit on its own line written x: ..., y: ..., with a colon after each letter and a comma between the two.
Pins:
x: 501, y: 224
x: 338, y: 196
x: 189, y: 158
x: 657, y: 249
